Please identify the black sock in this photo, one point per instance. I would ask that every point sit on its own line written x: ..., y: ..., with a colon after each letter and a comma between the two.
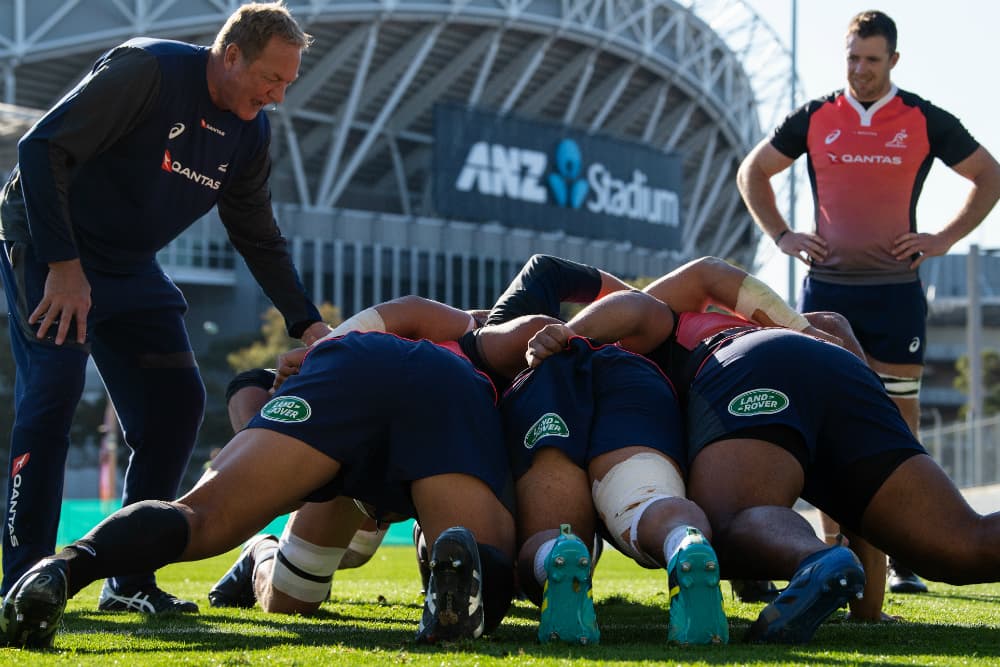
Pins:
x: 138, y: 538
x: 498, y: 584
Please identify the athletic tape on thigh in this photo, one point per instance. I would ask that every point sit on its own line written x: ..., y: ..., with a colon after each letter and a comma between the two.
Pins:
x: 901, y: 387
x: 304, y: 570
x: 627, y: 490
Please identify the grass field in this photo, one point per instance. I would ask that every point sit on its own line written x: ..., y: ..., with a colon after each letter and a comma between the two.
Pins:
x: 374, y: 610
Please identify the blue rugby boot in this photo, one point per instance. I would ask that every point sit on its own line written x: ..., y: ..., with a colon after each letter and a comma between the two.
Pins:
x: 453, y: 606
x: 567, y: 598
x: 33, y: 607
x: 696, y: 615
x: 824, y: 582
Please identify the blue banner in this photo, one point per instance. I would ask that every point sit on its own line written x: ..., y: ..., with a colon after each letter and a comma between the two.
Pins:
x: 550, y: 177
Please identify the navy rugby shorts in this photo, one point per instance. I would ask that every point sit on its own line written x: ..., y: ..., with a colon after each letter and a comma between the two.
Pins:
x: 589, y: 400
x: 390, y: 411
x: 777, y: 377
x: 890, y: 321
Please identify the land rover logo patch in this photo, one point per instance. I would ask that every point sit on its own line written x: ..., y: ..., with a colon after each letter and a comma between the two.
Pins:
x: 758, y: 402
x: 548, y: 424
x: 286, y: 409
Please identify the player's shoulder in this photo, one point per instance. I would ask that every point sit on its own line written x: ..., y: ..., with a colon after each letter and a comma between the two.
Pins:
x: 165, y: 47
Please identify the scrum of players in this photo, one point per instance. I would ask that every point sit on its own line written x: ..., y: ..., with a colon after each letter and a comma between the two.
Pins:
x: 678, y: 424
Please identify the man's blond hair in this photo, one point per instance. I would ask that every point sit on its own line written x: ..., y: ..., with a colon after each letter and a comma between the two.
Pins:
x: 253, y: 25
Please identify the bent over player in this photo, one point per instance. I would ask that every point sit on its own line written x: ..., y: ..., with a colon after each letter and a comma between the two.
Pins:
x: 155, y: 135
x: 394, y: 449
x: 762, y: 432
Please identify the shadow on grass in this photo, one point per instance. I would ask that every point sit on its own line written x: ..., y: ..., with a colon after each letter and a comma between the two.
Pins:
x: 631, y: 631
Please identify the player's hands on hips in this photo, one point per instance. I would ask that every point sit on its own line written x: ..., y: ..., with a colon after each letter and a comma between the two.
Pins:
x: 550, y: 339
x: 922, y: 245
x: 805, y: 247
x: 66, y: 300
x: 289, y: 364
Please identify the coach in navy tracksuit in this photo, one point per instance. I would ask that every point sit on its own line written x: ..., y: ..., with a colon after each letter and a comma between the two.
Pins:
x: 154, y: 136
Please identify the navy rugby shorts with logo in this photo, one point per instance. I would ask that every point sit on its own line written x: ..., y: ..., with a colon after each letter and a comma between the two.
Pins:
x: 890, y: 321
x: 589, y: 400
x: 390, y: 411
x: 845, y: 431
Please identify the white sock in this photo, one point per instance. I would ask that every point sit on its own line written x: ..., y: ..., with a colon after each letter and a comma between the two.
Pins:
x: 539, y: 565
x: 675, y: 540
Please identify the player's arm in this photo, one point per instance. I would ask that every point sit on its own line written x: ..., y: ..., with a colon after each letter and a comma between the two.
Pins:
x: 545, y: 282
x: 639, y: 321
x: 81, y: 126
x: 982, y: 169
x: 708, y: 280
x: 408, y: 316
x: 245, y: 210
x: 753, y: 179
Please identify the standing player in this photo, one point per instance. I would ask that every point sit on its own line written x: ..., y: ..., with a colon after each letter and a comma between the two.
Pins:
x: 149, y: 141
x: 869, y: 149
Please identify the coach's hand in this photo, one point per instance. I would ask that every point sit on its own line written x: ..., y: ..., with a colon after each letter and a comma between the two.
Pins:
x: 66, y: 300
x: 550, y: 339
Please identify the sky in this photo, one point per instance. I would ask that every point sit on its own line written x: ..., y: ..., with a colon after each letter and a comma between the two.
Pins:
x: 946, y: 56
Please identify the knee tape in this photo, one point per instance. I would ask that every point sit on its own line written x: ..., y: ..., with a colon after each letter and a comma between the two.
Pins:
x: 901, y: 387
x: 304, y: 570
x: 625, y: 493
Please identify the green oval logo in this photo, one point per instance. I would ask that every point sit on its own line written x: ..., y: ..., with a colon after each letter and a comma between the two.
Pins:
x: 758, y: 402
x: 286, y: 409
x: 548, y: 424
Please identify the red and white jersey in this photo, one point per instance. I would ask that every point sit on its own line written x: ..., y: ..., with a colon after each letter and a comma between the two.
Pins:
x: 867, y: 167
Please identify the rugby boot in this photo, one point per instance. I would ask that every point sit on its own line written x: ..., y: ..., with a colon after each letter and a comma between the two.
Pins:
x: 147, y: 599
x: 696, y: 615
x: 754, y: 590
x: 904, y: 580
x: 453, y: 606
x: 567, y: 597
x: 235, y: 589
x: 420, y: 546
x: 825, y: 581
x: 33, y: 607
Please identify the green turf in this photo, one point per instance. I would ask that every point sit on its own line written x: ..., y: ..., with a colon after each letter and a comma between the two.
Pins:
x: 374, y: 612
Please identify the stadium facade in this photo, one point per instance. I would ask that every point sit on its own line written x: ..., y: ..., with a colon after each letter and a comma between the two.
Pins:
x: 430, y: 147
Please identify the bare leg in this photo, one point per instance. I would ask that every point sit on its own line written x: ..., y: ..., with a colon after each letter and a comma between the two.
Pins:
x: 552, y: 492
x: 660, y: 517
x: 280, y: 470
x: 909, y: 408
x: 919, y: 515
x: 325, y: 525
x: 443, y: 501
x: 747, y: 488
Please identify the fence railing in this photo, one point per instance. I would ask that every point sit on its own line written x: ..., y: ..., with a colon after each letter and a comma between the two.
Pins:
x: 968, y: 451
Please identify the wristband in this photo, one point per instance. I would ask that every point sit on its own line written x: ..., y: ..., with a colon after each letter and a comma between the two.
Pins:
x: 777, y: 239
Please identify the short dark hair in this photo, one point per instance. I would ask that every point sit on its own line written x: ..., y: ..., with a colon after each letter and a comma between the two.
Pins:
x: 873, y: 23
x: 253, y: 25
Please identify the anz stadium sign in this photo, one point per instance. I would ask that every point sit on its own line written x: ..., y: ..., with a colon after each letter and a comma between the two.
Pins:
x: 547, y: 177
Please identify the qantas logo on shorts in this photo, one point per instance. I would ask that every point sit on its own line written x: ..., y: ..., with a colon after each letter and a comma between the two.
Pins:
x: 758, y: 402
x: 286, y: 409
x: 548, y: 424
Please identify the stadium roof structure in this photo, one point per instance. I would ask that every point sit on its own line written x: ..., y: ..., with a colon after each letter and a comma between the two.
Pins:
x: 697, y: 78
